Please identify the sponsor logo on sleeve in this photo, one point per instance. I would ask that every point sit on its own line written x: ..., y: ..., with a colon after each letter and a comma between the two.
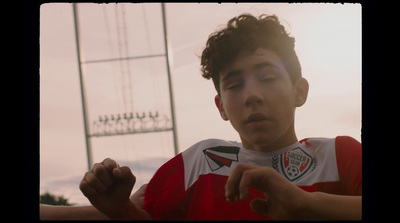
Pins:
x: 220, y: 156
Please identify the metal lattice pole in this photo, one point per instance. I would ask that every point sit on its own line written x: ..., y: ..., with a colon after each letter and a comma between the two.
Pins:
x: 171, y: 96
x: 82, y: 86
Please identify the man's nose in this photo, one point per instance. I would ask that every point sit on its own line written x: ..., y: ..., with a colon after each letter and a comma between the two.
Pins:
x: 252, y: 93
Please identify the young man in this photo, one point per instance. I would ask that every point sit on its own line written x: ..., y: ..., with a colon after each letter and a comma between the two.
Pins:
x: 270, y: 174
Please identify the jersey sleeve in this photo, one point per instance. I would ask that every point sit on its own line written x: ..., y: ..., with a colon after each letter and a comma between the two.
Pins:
x: 165, y: 193
x: 349, y: 162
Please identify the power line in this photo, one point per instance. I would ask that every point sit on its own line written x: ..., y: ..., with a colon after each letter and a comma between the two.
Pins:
x: 124, y: 58
x: 126, y: 122
x: 123, y: 51
x: 110, y: 50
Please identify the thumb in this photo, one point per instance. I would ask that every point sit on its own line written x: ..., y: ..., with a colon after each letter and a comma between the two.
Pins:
x: 124, y: 173
x: 259, y: 205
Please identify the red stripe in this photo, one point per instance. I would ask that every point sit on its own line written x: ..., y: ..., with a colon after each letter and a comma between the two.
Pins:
x: 224, y: 161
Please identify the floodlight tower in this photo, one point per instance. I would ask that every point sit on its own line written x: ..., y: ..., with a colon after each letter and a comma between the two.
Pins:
x: 122, y: 124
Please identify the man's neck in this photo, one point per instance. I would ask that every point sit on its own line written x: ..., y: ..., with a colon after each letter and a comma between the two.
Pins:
x: 280, y: 143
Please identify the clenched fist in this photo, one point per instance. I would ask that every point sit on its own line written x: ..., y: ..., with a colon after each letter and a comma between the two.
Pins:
x: 108, y: 187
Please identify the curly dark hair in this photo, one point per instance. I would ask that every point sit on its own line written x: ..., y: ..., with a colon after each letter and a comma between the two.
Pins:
x: 247, y: 33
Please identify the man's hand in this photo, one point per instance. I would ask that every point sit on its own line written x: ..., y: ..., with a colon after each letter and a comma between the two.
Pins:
x: 284, y: 200
x: 108, y: 188
x: 52, y: 212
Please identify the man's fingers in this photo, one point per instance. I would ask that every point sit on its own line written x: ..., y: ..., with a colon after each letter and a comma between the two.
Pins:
x: 259, y: 205
x: 245, y: 183
x: 124, y: 173
x: 244, y: 176
x: 100, y: 171
x: 95, y: 182
x: 110, y: 164
x: 86, y: 189
x: 231, y: 184
x: 233, y: 190
x: 102, y: 176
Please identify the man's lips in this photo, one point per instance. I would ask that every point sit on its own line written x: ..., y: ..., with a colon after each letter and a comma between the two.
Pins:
x: 256, y: 117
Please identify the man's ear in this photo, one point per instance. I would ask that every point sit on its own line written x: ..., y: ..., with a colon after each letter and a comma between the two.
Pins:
x: 301, y: 92
x: 220, y: 106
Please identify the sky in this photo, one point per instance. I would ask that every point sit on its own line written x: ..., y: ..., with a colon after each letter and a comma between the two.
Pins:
x: 328, y: 44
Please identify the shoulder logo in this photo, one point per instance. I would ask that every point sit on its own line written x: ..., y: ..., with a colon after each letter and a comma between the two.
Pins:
x: 220, y: 156
x: 293, y: 164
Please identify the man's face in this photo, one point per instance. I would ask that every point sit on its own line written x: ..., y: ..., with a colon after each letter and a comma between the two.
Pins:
x: 259, y: 99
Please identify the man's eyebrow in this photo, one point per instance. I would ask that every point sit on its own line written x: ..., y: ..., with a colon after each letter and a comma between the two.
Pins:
x: 263, y: 65
x: 257, y: 66
x: 231, y: 74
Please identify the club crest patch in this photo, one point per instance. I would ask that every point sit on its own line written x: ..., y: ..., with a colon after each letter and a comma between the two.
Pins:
x: 293, y: 164
x: 220, y: 156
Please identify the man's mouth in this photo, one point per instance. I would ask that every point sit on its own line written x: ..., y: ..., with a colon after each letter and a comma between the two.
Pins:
x: 256, y: 117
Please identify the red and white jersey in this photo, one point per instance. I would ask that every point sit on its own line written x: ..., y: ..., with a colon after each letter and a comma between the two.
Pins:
x: 192, y: 184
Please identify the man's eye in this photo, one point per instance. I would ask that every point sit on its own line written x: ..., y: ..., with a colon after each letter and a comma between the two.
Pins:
x: 235, y: 85
x: 267, y: 77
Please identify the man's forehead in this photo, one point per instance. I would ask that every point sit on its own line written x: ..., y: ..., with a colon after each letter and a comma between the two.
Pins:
x: 246, y: 60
